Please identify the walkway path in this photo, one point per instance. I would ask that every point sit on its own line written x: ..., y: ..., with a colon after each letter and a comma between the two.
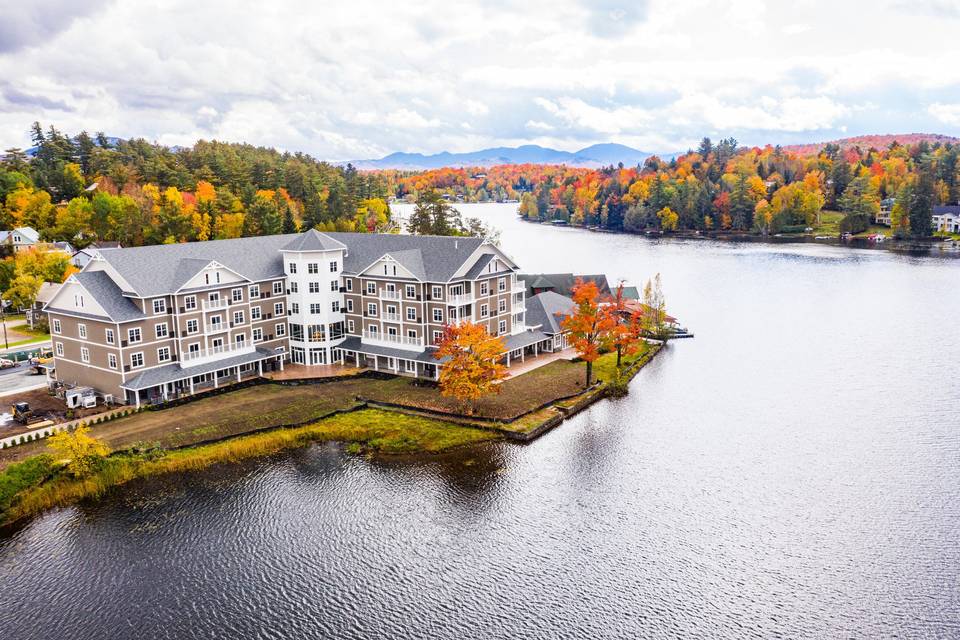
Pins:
x: 533, y: 362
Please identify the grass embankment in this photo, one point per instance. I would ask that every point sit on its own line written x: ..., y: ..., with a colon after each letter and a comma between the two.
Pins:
x: 39, y: 483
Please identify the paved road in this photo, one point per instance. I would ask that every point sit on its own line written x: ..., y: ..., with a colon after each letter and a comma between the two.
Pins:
x: 18, y: 379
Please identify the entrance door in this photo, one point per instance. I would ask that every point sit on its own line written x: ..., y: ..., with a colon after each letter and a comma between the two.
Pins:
x: 318, y: 356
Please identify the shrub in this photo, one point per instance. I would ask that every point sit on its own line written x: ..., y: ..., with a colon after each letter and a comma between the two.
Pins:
x: 21, y: 475
x: 855, y: 223
x: 619, y: 386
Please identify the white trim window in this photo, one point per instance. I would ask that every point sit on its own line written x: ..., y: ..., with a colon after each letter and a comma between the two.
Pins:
x: 315, y: 308
x: 502, y: 284
x: 371, y: 309
x: 335, y: 306
x: 294, y: 286
x: 503, y: 327
x: 371, y: 288
x: 485, y: 288
x: 411, y: 313
x: 334, y: 267
x: 134, y: 335
x: 410, y: 366
x: 56, y: 325
x: 502, y: 305
x: 112, y: 360
x: 278, y: 308
x: 313, y: 267
x: 349, y: 284
x: 161, y: 330
x: 411, y: 291
x: 257, y: 334
x: 82, y: 330
x: 278, y: 287
x: 190, y: 303
x: 108, y: 336
x: 294, y: 307
x: 349, y: 306
x: 136, y: 360
x: 84, y: 354
x: 351, y: 327
x: 163, y: 354
x: 484, y: 311
x: 291, y: 268
x: 255, y: 313
x: 281, y: 329
x: 60, y: 349
x: 438, y: 315
x: 437, y: 293
x: 236, y: 294
x: 437, y: 337
x: 313, y: 287
x: 193, y: 326
x: 159, y: 306
x: 254, y: 291
x: 238, y: 317
x: 335, y: 286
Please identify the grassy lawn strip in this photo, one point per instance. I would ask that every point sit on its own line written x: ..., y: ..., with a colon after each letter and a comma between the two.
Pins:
x: 23, y: 491
x: 517, y: 395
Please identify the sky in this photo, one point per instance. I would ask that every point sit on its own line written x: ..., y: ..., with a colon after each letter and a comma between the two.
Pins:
x: 360, y: 79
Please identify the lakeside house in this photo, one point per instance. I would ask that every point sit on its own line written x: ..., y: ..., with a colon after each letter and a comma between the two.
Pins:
x: 946, y: 218
x: 146, y: 324
x: 44, y: 295
x: 20, y: 238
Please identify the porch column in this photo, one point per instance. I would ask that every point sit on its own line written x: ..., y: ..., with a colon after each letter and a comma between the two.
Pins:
x: 535, y: 349
x: 191, y: 385
x: 376, y: 363
x: 436, y: 372
x: 215, y: 383
x: 281, y: 363
x: 164, y: 391
x: 523, y: 354
x: 137, y: 394
x: 259, y: 367
x: 508, y: 358
x: 238, y: 373
x: 396, y: 365
x: 356, y: 355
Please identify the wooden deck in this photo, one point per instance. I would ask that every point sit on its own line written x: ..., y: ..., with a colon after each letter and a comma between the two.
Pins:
x: 300, y: 371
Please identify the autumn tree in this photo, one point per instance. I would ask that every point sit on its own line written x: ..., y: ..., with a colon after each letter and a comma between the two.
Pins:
x: 654, y: 308
x: 82, y: 451
x: 626, y: 333
x: 590, y: 324
x: 471, y: 367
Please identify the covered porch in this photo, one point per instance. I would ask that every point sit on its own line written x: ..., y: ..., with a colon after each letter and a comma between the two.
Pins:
x: 169, y: 382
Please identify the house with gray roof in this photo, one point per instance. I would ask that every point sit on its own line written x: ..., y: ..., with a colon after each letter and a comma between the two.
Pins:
x: 147, y: 324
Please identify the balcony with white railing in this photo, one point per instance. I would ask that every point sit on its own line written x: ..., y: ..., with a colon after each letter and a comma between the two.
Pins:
x: 394, y: 341
x: 391, y: 317
x: 218, y: 327
x: 213, y: 305
x: 460, y: 299
x: 193, y: 358
x: 389, y: 295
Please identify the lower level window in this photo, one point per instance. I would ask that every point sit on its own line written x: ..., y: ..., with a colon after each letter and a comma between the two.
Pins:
x: 112, y: 360
x: 136, y: 360
x: 410, y: 366
x: 257, y: 334
x: 163, y: 354
x: 60, y: 349
x: 85, y: 354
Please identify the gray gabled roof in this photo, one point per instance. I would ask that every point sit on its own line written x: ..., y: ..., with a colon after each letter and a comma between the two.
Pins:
x: 543, y: 310
x: 173, y: 372
x: 313, y: 240
x: 108, y: 295
x: 562, y: 283
x: 162, y: 269
x: 524, y: 339
x: 441, y: 256
x: 479, y: 265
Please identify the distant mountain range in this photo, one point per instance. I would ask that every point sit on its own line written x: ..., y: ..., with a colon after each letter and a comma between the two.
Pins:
x: 596, y: 155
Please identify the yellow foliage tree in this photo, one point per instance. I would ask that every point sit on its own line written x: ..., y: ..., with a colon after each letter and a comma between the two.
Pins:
x: 82, y: 451
x: 473, y: 368
x: 668, y: 219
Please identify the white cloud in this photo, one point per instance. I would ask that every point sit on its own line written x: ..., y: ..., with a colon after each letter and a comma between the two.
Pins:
x: 946, y: 113
x: 347, y: 80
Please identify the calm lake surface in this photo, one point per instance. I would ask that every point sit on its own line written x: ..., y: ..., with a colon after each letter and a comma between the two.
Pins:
x: 794, y: 471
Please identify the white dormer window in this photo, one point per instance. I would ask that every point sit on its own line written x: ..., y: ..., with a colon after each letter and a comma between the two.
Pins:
x: 159, y: 306
x: 78, y: 300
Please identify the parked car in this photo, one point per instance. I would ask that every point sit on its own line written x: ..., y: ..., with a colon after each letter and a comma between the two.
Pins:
x: 6, y: 363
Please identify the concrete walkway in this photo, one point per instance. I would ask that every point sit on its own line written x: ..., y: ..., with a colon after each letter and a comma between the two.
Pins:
x: 533, y: 362
x: 300, y: 371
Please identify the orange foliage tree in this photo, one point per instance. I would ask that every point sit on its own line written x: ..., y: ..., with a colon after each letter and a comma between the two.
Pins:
x: 591, y: 324
x: 628, y: 328
x: 473, y: 368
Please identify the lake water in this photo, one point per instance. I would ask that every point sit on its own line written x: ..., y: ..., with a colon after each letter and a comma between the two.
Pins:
x: 793, y: 471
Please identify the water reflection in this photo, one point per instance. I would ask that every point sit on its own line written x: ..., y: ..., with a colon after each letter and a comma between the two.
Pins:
x: 792, y: 471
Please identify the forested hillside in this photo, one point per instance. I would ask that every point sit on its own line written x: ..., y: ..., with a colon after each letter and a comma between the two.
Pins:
x: 722, y: 186
x: 85, y: 188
